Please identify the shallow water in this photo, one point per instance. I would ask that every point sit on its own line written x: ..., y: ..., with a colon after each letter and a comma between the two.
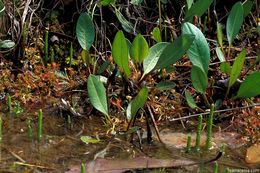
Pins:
x: 62, y: 150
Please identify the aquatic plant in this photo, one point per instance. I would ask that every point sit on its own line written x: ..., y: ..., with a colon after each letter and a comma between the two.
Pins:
x: 215, y: 168
x: 188, y: 147
x: 39, y: 128
x: 1, y: 129
x: 30, y: 133
x: 198, y: 136
x: 209, y: 128
x: 83, y: 168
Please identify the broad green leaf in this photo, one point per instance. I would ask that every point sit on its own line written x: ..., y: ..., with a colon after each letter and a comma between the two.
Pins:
x: 225, y: 67
x: 153, y: 56
x: 85, y: 31
x: 174, y: 51
x: 234, y: 21
x: 120, y: 53
x: 164, y: 1
x: 128, y: 27
x: 157, y: 34
x: 189, y: 3
x: 190, y: 100
x: 6, y: 44
x: 136, y: 2
x: 247, y: 6
x: 220, y: 55
x: 199, y: 52
x: 139, y: 49
x: 88, y: 139
x: 2, y: 8
x: 97, y: 94
x: 137, y: 103
x: 199, y: 79
x: 198, y: 9
x: 237, y: 67
x: 165, y: 85
x: 220, y: 34
x: 250, y: 87
x: 106, y: 2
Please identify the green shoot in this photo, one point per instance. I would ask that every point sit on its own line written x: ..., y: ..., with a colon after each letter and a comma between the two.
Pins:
x: 39, y: 130
x: 1, y: 129
x: 9, y: 103
x: 29, y: 124
x: 198, y: 134
x: 188, y: 148
x: 210, y: 124
x: 83, y: 168
x: 46, y: 46
x: 215, y: 169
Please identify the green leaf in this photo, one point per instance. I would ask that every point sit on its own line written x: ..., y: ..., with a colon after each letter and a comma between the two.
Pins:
x: 165, y: 85
x: 97, y: 94
x: 247, y: 6
x: 106, y: 2
x: 120, y: 53
x: 190, y: 100
x: 237, y: 67
x: 220, y: 55
x: 174, y: 51
x: 139, y: 49
x: 189, y: 3
x: 220, y: 34
x: 234, y: 21
x: 198, y: 9
x: 199, y: 52
x: 136, y: 2
x: 7, y: 44
x: 250, y: 87
x: 88, y: 139
x: 199, y: 79
x: 137, y: 103
x: 153, y: 57
x: 157, y: 34
x: 127, y: 26
x: 85, y: 31
x: 2, y: 8
x: 225, y: 67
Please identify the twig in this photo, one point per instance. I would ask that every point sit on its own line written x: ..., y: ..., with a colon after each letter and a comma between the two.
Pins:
x: 217, y: 111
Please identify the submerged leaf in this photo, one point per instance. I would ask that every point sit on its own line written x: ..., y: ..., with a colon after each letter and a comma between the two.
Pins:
x: 6, y: 44
x: 250, y: 87
x: 88, y: 139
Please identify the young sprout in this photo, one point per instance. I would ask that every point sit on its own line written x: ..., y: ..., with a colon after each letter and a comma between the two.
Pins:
x: 188, y: 148
x: 210, y: 124
x: 198, y: 134
x: 39, y: 130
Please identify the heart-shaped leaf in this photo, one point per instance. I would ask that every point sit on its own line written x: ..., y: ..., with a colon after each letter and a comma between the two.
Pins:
x: 153, y: 57
x: 199, y: 79
x: 234, y: 21
x: 85, y: 31
x: 199, y: 52
x: 97, y: 94
x: 120, y: 53
x: 139, y: 49
x: 174, y: 51
x: 250, y: 87
x: 137, y: 103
